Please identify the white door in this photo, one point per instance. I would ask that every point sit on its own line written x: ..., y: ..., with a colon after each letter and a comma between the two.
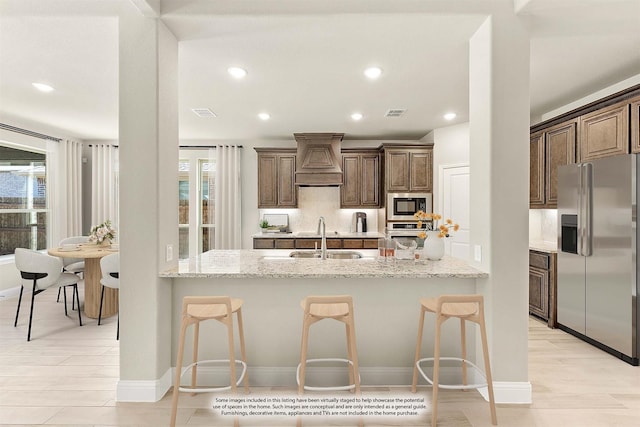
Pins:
x: 455, y: 205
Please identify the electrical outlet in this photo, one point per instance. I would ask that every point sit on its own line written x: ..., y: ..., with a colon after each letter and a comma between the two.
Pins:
x: 477, y: 253
x: 169, y: 253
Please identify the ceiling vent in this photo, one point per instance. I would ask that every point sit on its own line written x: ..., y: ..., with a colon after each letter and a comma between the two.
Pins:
x: 318, y: 159
x: 203, y: 112
x: 395, y: 112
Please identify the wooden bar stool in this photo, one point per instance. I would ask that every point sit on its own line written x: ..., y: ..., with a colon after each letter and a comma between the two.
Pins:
x: 340, y: 308
x: 196, y: 309
x: 464, y: 307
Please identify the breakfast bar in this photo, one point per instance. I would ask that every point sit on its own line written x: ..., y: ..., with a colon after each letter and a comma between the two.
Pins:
x: 272, y: 284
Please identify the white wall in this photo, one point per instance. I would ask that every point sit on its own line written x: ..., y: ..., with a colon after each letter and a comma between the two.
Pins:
x: 451, y: 147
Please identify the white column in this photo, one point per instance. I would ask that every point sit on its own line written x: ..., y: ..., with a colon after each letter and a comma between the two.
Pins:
x: 499, y: 131
x: 148, y: 202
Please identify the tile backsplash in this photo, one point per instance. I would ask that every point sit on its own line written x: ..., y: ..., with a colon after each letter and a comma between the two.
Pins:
x: 543, y: 225
x: 314, y: 202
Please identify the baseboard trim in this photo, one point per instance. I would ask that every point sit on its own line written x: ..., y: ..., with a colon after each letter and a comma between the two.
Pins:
x: 154, y: 390
x: 10, y: 292
x: 144, y: 390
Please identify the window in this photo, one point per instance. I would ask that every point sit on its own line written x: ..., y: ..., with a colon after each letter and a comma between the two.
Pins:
x: 196, y: 188
x: 23, y: 200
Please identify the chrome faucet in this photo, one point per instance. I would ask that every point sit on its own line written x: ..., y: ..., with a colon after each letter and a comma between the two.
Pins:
x: 322, y: 231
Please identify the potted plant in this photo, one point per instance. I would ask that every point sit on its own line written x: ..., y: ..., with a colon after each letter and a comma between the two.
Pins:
x: 264, y: 224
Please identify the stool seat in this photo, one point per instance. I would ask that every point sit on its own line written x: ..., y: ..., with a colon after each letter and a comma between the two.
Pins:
x: 340, y: 308
x: 326, y: 310
x: 212, y: 311
x: 457, y: 309
x: 466, y: 308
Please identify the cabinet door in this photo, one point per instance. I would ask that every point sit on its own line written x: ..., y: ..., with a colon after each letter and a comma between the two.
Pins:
x: 560, y: 148
x: 539, y: 292
x: 370, y: 180
x: 286, y: 181
x: 267, y: 180
x: 420, y: 166
x: 635, y: 126
x: 350, y: 190
x: 397, y: 170
x: 604, y: 132
x: 536, y: 170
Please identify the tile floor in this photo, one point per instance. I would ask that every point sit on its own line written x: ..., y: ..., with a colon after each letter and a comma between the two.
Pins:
x: 67, y: 375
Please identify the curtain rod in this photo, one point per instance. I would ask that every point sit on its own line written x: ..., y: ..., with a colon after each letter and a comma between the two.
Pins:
x: 207, y: 146
x: 184, y: 146
x: 28, y: 132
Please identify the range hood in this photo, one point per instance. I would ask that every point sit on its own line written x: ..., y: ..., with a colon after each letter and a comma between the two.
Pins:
x: 318, y: 159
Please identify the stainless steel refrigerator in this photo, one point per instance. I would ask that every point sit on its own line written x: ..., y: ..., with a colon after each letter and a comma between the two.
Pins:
x: 597, y: 254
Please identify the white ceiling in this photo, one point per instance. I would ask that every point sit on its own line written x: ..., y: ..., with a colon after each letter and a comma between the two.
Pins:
x: 305, y: 60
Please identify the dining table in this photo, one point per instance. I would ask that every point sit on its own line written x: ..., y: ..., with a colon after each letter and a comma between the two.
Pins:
x: 92, y: 253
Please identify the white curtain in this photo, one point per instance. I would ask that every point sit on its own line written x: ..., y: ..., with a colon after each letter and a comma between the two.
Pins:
x: 104, y: 184
x: 64, y: 182
x: 228, y: 206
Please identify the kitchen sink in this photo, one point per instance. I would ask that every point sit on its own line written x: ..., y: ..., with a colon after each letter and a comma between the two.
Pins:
x: 330, y: 254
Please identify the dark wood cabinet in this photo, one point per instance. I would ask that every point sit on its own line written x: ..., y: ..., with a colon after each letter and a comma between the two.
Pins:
x: 310, y: 243
x: 408, y: 169
x: 276, y: 178
x: 604, y: 132
x: 548, y: 149
x: 635, y: 125
x: 542, y: 286
x: 361, y: 179
x: 536, y: 170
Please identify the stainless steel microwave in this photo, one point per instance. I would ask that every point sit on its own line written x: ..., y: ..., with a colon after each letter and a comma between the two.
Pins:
x: 402, y: 206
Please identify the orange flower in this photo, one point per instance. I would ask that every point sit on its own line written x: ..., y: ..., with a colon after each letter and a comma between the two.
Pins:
x: 444, y: 230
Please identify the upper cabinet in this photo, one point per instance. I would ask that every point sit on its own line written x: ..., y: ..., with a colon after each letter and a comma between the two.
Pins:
x: 607, y: 127
x: 361, y: 179
x: 548, y: 149
x: 635, y: 125
x: 276, y: 178
x: 605, y: 132
x: 408, y: 168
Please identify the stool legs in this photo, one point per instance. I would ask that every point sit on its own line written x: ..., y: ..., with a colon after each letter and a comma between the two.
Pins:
x: 243, y: 351
x: 232, y: 355
x: 303, y: 352
x: 196, y: 341
x: 436, y: 374
x: 414, y: 384
x: 352, y: 351
x: 463, y: 346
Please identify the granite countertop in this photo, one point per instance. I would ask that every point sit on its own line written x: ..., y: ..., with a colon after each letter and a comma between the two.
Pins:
x: 313, y: 235
x: 276, y: 264
x: 543, y: 246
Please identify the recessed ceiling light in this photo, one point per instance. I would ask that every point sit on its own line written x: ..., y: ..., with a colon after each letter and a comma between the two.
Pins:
x: 356, y: 116
x: 450, y: 116
x: 237, y: 72
x: 264, y: 116
x: 42, y: 87
x: 373, y: 72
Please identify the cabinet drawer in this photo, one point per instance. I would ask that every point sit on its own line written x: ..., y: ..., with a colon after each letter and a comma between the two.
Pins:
x: 370, y: 244
x: 539, y: 260
x: 285, y: 243
x: 263, y: 243
x: 352, y: 243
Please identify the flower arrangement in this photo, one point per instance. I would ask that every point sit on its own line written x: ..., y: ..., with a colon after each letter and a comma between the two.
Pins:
x: 444, y: 229
x: 102, y: 232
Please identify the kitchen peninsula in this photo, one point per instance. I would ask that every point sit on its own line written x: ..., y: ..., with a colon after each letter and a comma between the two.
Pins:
x: 385, y: 295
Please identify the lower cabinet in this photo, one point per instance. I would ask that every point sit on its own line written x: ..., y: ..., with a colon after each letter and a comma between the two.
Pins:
x: 542, y: 286
x: 312, y: 243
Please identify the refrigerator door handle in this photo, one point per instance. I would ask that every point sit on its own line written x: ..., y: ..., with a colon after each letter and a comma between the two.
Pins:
x: 580, y: 215
x: 587, y: 210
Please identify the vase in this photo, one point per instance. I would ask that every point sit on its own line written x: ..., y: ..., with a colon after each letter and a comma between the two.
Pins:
x: 433, y: 246
x: 104, y: 243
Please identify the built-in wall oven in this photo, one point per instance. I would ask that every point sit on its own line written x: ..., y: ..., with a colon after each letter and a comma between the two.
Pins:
x: 402, y: 206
